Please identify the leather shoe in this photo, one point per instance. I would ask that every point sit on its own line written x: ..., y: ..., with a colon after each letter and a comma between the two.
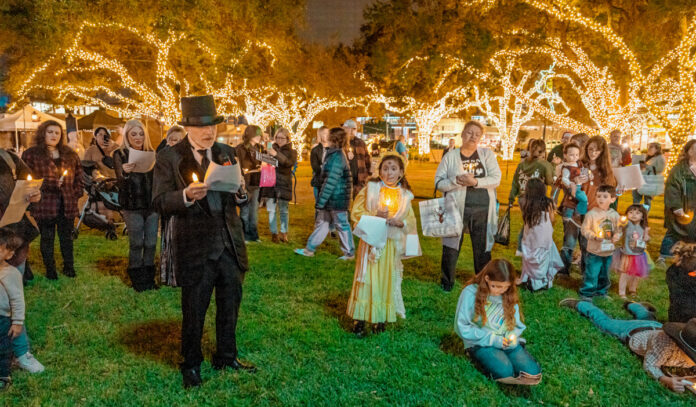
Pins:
x: 236, y: 364
x: 192, y: 377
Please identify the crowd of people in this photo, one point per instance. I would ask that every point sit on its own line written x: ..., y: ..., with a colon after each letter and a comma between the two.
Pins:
x: 205, y: 231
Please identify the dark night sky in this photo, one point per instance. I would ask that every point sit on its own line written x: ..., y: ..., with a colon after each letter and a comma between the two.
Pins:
x: 332, y: 21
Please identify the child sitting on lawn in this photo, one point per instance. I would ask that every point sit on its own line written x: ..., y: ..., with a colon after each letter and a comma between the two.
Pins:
x: 601, y: 229
x: 11, y: 303
x: 540, y: 258
x: 376, y: 294
x: 489, y: 321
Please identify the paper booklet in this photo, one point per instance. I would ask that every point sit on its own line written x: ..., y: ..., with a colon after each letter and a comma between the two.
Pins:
x: 372, y: 230
x: 144, y: 160
x: 224, y: 178
x: 18, y: 201
x: 628, y: 177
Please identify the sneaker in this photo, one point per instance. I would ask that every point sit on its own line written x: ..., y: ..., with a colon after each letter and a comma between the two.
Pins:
x: 5, y: 383
x: 569, y: 303
x: 660, y: 263
x: 304, y: 252
x: 587, y: 299
x: 29, y: 363
x: 518, y: 253
x: 347, y: 257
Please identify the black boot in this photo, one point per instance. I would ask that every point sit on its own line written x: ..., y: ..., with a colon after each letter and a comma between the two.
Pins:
x: 136, y: 277
x: 149, y: 278
x: 28, y: 274
x: 191, y: 377
x: 51, y: 274
x: 69, y: 272
x: 359, y: 329
x: 379, y: 328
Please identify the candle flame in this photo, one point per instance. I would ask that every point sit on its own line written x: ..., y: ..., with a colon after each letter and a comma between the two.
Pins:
x: 194, y: 177
x: 28, y: 177
x: 600, y: 234
x: 65, y: 172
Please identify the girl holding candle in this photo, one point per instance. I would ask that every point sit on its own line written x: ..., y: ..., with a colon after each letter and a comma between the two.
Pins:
x: 631, y: 260
x: 680, y: 203
x: 540, y: 258
x: 489, y: 321
x: 135, y: 196
x: 376, y: 294
x: 49, y: 159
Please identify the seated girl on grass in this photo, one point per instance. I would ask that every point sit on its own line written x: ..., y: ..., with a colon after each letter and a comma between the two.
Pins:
x: 489, y: 321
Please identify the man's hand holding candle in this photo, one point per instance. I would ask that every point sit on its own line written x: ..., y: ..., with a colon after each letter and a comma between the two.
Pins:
x: 196, y: 190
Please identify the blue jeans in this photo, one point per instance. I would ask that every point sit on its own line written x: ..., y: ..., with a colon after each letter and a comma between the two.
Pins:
x: 571, y: 238
x: 20, y: 344
x: 647, y: 199
x: 595, y: 280
x: 143, y: 226
x: 618, y: 328
x: 282, y: 205
x: 668, y: 243
x: 249, y: 214
x: 316, y: 194
x: 5, y: 347
x: 499, y: 363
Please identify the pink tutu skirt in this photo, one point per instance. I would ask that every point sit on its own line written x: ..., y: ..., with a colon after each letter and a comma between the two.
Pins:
x: 632, y: 265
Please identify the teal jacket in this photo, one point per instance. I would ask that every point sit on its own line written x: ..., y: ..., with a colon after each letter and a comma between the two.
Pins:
x: 336, y: 182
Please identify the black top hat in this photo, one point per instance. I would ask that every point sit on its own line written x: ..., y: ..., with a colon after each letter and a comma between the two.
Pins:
x: 684, y: 335
x: 199, y: 111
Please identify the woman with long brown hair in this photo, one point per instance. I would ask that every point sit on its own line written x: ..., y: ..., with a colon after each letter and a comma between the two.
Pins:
x: 59, y: 166
x: 489, y: 321
x: 251, y: 168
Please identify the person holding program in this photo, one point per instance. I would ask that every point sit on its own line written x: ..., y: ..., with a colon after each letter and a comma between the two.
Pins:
x: 376, y: 294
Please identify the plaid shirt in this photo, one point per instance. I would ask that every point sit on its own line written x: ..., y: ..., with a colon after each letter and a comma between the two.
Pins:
x: 42, y: 166
x: 360, y: 165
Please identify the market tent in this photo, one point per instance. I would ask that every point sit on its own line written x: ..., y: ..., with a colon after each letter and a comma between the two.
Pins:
x: 99, y: 118
x: 26, y: 119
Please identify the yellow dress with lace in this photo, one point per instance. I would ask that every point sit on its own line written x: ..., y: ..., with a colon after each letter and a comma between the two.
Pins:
x: 376, y: 293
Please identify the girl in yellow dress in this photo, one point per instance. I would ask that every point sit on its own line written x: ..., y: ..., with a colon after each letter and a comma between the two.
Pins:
x: 376, y: 294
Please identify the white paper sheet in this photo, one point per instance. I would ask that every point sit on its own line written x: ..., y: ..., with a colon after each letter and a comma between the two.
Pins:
x: 224, y: 178
x: 144, y: 160
x: 628, y: 177
x: 372, y: 230
x: 18, y: 201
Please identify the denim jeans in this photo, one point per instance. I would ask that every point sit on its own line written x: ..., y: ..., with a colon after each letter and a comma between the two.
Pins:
x: 142, y: 235
x: 20, y: 344
x: 282, y: 205
x: 249, y: 214
x: 647, y: 199
x: 322, y: 222
x: 595, y: 279
x: 571, y: 236
x: 5, y: 347
x: 667, y: 244
x: 618, y: 328
x: 499, y: 363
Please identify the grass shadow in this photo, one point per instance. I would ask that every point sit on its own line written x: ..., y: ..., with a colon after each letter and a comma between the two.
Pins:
x: 158, y: 340
x: 452, y: 345
x: 335, y: 305
x: 114, y: 266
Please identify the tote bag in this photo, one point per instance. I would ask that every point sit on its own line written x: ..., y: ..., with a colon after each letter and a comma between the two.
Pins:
x: 502, y: 235
x: 440, y: 217
x: 268, y: 176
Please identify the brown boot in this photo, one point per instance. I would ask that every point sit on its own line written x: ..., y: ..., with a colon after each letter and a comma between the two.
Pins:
x: 274, y: 238
x: 284, y: 237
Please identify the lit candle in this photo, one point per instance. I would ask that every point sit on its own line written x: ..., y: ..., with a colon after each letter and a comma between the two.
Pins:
x: 28, y: 177
x: 600, y: 234
x: 63, y: 176
x: 194, y: 177
x: 512, y: 338
x: 624, y: 220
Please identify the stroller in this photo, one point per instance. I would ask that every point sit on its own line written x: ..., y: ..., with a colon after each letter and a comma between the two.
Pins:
x: 99, y: 189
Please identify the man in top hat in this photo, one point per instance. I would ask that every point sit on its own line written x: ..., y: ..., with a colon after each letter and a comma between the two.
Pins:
x: 208, y: 251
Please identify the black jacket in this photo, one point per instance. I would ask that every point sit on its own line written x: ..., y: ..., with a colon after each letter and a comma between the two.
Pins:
x: 194, y: 227
x: 135, y: 188
x: 251, y: 167
x: 316, y: 160
x: 682, y: 294
x: 287, y: 158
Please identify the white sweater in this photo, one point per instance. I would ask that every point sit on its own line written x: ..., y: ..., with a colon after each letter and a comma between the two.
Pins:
x: 11, y: 295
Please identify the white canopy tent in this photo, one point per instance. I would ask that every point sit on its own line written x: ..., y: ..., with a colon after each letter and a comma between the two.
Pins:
x: 25, y: 119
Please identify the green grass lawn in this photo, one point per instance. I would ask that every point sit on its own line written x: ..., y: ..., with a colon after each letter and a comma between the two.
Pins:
x: 104, y: 344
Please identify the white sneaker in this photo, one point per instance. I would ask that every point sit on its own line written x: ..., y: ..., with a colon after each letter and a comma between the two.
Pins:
x: 29, y: 363
x: 347, y: 257
x: 304, y: 252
